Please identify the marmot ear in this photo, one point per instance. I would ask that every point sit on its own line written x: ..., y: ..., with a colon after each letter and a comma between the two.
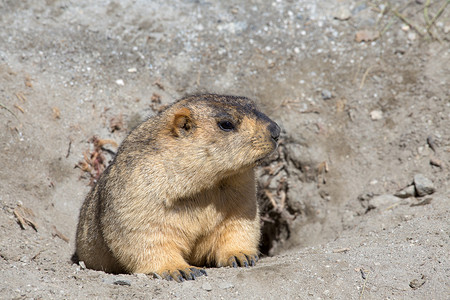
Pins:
x: 182, y: 122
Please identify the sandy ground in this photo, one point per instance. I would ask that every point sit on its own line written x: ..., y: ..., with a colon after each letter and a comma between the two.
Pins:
x: 360, y: 119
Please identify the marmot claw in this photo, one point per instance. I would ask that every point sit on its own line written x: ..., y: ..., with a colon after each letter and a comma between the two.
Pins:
x: 242, y: 260
x: 179, y: 275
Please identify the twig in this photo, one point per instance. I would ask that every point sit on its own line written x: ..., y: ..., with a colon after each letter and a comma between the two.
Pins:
x: 425, y: 13
x: 282, y: 200
x: 364, y: 76
x: 60, y: 234
x: 24, y: 217
x: 429, y: 23
x: 357, y: 72
x: 408, y: 22
x: 387, y: 27
x: 4, y: 107
x: 392, y: 206
x: 19, y: 108
x: 340, y: 250
x: 198, y: 77
x: 364, y: 285
x: 37, y: 254
x: 272, y: 201
x: 68, y: 149
x: 439, y: 13
x: 21, y: 96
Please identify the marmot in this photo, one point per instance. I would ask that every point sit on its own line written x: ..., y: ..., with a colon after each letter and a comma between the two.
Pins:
x: 180, y: 193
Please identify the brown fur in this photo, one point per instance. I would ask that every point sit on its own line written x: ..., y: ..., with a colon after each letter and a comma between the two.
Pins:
x: 180, y: 192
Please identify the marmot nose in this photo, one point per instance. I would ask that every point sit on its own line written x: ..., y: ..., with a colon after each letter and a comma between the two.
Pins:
x: 274, y: 130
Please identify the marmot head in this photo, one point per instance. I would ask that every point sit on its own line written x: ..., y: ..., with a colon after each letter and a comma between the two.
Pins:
x: 218, y: 135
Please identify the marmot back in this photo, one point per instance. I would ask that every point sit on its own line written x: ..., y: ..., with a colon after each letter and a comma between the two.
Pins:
x: 180, y: 193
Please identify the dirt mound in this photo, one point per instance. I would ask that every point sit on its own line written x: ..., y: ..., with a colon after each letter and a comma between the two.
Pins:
x: 359, y: 88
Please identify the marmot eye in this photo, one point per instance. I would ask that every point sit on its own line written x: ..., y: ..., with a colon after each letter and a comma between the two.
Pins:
x: 226, y: 125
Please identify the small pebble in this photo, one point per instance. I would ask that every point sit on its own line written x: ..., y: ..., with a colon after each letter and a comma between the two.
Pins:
x: 423, y: 185
x: 132, y: 70
x: 116, y: 281
x: 411, y: 36
x: 407, y: 192
x: 82, y: 265
x: 400, y: 51
x: 120, y: 82
x: 225, y: 285
x: 207, y: 286
x: 376, y: 115
x: 326, y: 94
x: 436, y: 162
x: 383, y: 201
x: 447, y: 28
x: 122, y: 282
x: 342, y: 13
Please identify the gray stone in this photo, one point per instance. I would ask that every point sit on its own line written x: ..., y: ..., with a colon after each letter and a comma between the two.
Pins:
x: 342, y: 13
x: 141, y: 275
x: 207, y: 286
x: 326, y: 94
x: 423, y: 185
x: 409, y: 191
x: 383, y: 201
x: 108, y: 280
x: 82, y: 265
x: 122, y: 281
x: 116, y: 281
x: 226, y: 285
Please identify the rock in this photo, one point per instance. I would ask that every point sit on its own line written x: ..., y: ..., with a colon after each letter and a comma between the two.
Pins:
x: 82, y: 265
x: 447, y: 28
x: 122, y: 281
x: 426, y: 201
x: 24, y: 259
x: 226, y: 285
x: 326, y: 94
x: 141, y: 275
x: 116, y: 281
x: 207, y: 286
x: 364, y: 199
x: 401, y: 51
x: 376, y: 115
x: 108, y: 280
x: 342, y: 13
x: 412, y: 36
x: 436, y: 162
x: 423, y: 185
x: 120, y: 82
x: 383, y: 201
x: 409, y: 191
x: 366, y: 36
